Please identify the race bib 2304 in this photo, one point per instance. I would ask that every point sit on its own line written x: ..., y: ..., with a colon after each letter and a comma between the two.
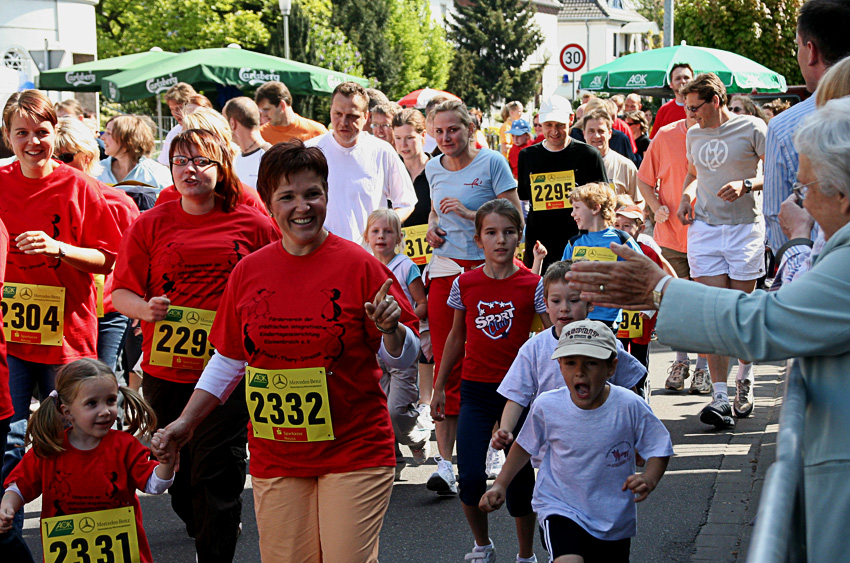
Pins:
x: 33, y: 314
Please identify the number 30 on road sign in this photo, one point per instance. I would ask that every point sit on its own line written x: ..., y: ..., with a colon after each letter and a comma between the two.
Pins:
x: 573, y: 57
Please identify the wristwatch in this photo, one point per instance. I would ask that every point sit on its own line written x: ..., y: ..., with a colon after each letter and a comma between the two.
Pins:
x: 659, y: 288
x: 748, y: 186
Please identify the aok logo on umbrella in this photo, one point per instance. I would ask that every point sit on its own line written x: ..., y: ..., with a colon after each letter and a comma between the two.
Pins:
x: 636, y: 80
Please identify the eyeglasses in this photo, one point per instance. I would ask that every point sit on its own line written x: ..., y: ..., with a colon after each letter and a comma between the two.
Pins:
x: 631, y: 123
x: 67, y: 157
x: 198, y: 161
x: 800, y: 190
x: 694, y: 109
x: 736, y: 109
x: 381, y: 126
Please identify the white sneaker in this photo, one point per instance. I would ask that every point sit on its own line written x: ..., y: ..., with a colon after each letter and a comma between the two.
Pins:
x: 532, y: 559
x: 442, y: 481
x: 486, y: 555
x: 421, y: 456
x: 424, y: 420
x: 495, y: 461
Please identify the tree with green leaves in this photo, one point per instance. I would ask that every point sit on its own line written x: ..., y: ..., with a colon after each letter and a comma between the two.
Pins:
x: 763, y: 30
x: 493, y: 39
x: 131, y: 26
x: 364, y: 22
x: 420, y: 44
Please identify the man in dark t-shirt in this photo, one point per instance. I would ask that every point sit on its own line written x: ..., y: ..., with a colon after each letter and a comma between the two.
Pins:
x: 547, y: 173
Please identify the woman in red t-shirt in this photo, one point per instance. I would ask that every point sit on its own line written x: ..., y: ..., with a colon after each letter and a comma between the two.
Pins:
x: 320, y: 437
x: 171, y: 271
x: 61, y: 232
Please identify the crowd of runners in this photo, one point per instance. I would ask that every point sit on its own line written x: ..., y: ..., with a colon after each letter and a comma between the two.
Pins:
x: 326, y: 298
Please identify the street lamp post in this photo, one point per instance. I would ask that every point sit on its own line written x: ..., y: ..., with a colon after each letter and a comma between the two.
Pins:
x: 285, y: 8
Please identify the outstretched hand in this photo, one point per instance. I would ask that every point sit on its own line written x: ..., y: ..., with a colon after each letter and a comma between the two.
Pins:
x: 623, y: 284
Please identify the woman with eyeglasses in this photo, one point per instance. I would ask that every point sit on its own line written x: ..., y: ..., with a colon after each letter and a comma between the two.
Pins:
x: 77, y: 147
x: 128, y: 141
x: 744, y: 105
x: 639, y: 127
x: 172, y: 268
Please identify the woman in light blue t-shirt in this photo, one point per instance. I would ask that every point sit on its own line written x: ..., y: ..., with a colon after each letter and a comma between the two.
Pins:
x: 128, y: 141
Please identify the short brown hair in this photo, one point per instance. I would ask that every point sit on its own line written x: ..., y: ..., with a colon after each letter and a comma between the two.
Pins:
x: 243, y: 110
x: 679, y: 65
x: 555, y: 274
x: 412, y: 117
x: 71, y: 106
x: 273, y: 92
x: 706, y: 86
x: 434, y: 102
x: 599, y: 114
x: 32, y: 104
x: 376, y: 98
x: 180, y: 93
x: 134, y: 134
x: 499, y: 206
x: 199, y: 100
x: 639, y: 117
x: 227, y: 187
x: 285, y: 159
x: 352, y: 90
x: 390, y: 109
x: 597, y: 193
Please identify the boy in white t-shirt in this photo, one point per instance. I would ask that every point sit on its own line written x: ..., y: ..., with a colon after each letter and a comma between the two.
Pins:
x: 587, y: 433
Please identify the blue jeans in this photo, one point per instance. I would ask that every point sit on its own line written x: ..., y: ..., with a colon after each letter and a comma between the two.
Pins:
x: 111, y: 332
x: 24, y: 377
x: 481, y: 407
x: 12, y: 544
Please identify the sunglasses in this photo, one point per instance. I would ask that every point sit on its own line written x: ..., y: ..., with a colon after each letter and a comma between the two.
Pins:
x: 67, y: 157
x: 736, y: 109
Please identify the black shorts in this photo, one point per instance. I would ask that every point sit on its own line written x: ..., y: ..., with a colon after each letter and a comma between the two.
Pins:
x: 562, y: 536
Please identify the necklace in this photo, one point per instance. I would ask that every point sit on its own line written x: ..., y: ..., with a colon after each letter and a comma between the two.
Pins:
x: 253, y: 146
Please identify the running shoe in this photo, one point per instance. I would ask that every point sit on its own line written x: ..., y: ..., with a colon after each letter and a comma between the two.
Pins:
x: 679, y: 372
x: 701, y: 383
x: 487, y: 555
x: 399, y: 467
x: 421, y: 456
x: 424, y: 420
x: 495, y: 461
x: 442, y: 481
x: 718, y: 414
x: 743, y: 405
x: 532, y: 559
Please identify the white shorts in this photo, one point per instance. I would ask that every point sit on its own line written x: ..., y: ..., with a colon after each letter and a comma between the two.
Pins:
x: 733, y: 250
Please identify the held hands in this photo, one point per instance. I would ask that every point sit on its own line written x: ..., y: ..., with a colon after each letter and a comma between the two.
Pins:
x: 157, y: 309
x: 493, y: 499
x: 731, y: 191
x: 165, y: 453
x: 501, y: 439
x: 167, y: 441
x: 383, y: 310
x: 37, y: 242
x: 685, y: 213
x: 662, y: 214
x: 639, y: 485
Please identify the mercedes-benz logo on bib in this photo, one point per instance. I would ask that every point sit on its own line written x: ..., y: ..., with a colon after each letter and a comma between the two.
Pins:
x: 26, y: 293
x: 713, y: 154
x: 193, y: 318
x: 280, y: 381
x: 86, y: 524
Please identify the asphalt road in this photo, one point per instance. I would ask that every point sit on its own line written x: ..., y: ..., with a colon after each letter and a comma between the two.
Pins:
x: 422, y: 527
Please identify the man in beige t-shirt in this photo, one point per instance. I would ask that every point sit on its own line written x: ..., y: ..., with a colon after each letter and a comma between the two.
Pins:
x: 275, y: 103
x: 621, y: 171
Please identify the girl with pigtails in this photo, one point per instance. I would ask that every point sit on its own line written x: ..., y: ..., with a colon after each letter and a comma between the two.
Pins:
x: 78, y: 462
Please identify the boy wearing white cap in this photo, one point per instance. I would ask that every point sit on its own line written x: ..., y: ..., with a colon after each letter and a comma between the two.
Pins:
x: 587, y: 434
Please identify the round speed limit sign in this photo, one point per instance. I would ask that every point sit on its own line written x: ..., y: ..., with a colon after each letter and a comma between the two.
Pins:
x: 573, y: 57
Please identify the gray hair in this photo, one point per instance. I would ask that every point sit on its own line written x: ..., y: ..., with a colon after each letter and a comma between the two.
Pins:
x: 72, y: 135
x: 824, y: 137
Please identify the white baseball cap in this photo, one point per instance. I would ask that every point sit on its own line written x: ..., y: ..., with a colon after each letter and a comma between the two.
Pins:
x: 586, y: 338
x: 555, y: 108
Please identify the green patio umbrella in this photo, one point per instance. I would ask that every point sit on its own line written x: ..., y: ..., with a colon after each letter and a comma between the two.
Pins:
x: 647, y: 72
x: 209, y: 68
x: 88, y: 77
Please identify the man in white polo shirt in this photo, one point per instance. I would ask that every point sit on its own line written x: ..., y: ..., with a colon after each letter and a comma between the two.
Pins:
x: 364, y: 172
x: 722, y: 204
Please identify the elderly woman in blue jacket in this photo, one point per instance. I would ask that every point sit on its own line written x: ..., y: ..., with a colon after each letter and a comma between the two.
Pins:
x: 808, y: 319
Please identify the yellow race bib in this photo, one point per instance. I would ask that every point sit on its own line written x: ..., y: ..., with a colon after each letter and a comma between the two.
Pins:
x: 99, y: 282
x: 415, y: 246
x: 289, y: 405
x: 552, y: 190
x: 33, y: 314
x: 103, y: 535
x: 593, y: 254
x: 631, y: 325
x: 182, y: 339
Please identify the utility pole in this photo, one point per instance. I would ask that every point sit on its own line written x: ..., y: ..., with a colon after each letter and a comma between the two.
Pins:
x: 668, y: 23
